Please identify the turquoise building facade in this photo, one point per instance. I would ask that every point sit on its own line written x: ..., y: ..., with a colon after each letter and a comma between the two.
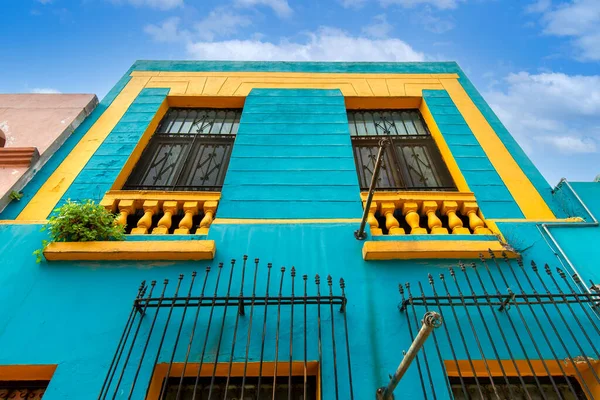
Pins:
x: 311, y: 311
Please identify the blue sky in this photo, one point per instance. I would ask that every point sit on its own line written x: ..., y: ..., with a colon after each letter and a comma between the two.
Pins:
x: 535, y: 61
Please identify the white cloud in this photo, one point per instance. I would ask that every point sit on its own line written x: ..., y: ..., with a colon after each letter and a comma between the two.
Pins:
x: 578, y: 20
x: 44, y: 91
x: 379, y: 28
x: 221, y: 22
x: 280, y: 7
x: 166, y: 32
x: 327, y: 44
x: 159, y: 4
x: 550, y: 111
x: 539, y: 6
x: 44, y: 1
x: 441, y: 4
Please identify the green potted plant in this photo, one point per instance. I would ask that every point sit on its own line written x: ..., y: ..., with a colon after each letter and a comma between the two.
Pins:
x: 81, y: 222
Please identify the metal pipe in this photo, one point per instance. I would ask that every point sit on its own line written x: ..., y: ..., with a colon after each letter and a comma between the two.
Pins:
x: 360, y: 233
x: 430, y: 321
x: 545, y: 227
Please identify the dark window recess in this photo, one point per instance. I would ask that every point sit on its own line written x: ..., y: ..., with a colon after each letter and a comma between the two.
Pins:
x: 412, y: 161
x: 22, y: 389
x: 234, y: 390
x: 189, y: 151
x: 518, y: 390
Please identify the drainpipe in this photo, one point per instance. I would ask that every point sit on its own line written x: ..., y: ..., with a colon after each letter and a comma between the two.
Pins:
x: 545, y: 227
x: 360, y: 233
x: 430, y: 321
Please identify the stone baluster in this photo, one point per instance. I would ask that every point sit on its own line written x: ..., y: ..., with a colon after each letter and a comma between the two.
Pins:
x: 449, y: 209
x: 164, y: 224
x: 372, y: 221
x: 150, y: 208
x: 477, y: 225
x: 409, y: 210
x: 429, y: 209
x: 391, y: 223
x: 209, y: 211
x: 190, y: 208
x: 126, y: 208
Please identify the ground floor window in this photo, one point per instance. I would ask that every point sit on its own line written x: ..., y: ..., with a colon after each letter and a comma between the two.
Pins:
x: 31, y: 390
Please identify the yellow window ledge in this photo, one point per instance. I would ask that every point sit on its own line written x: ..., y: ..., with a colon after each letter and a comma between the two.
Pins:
x: 448, y: 249
x: 134, y: 250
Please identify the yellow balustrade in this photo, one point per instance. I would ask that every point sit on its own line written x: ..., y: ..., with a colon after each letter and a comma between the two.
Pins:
x: 455, y: 206
x: 152, y: 203
x: 391, y: 223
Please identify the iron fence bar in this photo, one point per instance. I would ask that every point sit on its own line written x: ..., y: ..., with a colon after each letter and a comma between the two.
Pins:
x: 164, y: 387
x: 533, y: 341
x: 210, y: 317
x: 256, y: 260
x: 235, y: 300
x: 162, y: 339
x: 439, y: 308
x: 462, y: 337
x: 549, y: 273
x: 333, y: 347
x: 489, y: 335
x: 293, y: 274
x: 477, y: 341
x: 212, y: 379
x: 318, y: 283
x: 508, y: 316
x: 437, y: 347
x: 189, y: 348
x: 343, y: 310
x: 550, y: 321
x: 535, y: 269
x: 152, y: 285
x: 237, y: 320
x: 410, y: 332
x: 122, y: 342
x: 305, y: 279
x: 264, y: 333
x: 577, y: 280
x: 277, y: 333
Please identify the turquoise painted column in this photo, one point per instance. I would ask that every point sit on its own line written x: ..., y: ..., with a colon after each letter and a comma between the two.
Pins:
x: 292, y: 158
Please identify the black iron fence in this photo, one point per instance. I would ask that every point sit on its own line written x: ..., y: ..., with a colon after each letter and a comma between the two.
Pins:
x: 217, y: 339
x: 510, y: 331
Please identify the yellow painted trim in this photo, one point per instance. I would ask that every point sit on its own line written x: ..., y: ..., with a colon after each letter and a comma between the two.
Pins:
x: 44, y: 201
x: 491, y: 225
x: 418, y: 196
x: 251, y: 369
x: 533, y: 221
x: 382, y: 102
x: 479, y: 368
x: 141, y: 145
x: 428, y: 249
x: 160, y: 196
x: 27, y: 372
x: 17, y: 222
x: 235, y: 221
x: 133, y: 250
x: 457, y: 176
x: 527, y: 197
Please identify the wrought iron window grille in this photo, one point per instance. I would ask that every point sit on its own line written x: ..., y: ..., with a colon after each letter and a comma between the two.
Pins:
x: 526, y: 332
x: 33, y: 390
x: 412, y: 161
x: 190, y: 150
x: 281, y: 330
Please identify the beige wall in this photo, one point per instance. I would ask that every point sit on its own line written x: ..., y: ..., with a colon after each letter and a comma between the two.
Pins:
x: 43, y: 121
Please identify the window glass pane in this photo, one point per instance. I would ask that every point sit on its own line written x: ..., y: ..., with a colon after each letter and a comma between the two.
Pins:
x: 164, y: 164
x: 386, y: 122
x: 419, y: 167
x: 206, y: 166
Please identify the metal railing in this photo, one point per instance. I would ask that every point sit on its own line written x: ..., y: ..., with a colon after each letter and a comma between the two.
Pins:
x: 509, y: 332
x: 236, y: 341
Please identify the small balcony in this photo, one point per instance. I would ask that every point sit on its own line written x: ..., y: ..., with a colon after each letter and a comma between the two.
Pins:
x: 419, y: 213
x: 163, y: 213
